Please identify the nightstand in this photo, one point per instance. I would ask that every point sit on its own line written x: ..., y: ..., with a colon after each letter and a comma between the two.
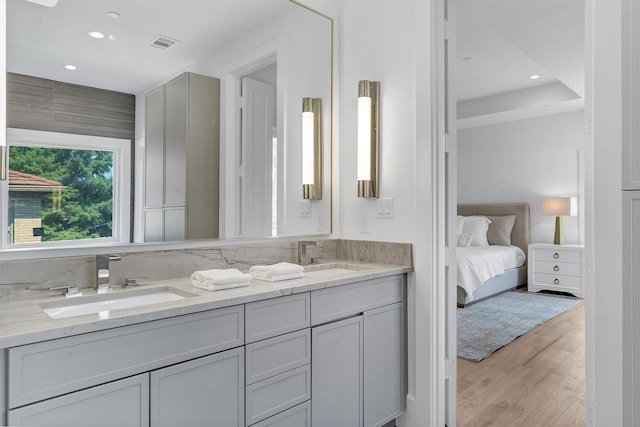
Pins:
x: 555, y: 268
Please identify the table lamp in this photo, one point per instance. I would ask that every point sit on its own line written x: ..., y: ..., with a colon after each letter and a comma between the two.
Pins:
x: 559, y: 206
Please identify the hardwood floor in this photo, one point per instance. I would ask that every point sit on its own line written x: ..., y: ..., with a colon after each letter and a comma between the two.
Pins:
x: 537, y: 380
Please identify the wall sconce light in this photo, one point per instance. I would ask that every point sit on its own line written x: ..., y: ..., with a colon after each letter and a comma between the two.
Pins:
x: 312, y: 148
x: 368, y: 169
x: 559, y: 206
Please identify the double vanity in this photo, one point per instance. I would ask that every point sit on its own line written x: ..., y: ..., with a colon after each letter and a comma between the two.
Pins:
x: 328, y: 349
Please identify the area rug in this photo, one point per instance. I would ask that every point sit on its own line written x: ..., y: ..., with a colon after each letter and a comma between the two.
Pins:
x: 488, y: 325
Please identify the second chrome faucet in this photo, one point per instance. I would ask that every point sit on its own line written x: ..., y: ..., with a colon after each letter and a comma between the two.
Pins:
x: 302, y: 251
x: 102, y: 272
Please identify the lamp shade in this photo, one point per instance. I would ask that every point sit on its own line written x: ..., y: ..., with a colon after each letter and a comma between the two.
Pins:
x: 560, y: 206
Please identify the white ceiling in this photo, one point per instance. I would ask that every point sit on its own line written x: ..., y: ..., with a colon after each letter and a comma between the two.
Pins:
x: 41, y: 40
x: 507, y: 41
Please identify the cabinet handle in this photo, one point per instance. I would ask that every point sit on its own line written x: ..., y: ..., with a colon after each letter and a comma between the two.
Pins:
x: 556, y: 268
x: 556, y: 281
x: 556, y: 255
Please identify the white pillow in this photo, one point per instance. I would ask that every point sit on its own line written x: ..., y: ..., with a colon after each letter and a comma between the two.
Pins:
x: 460, y: 225
x: 478, y: 227
x: 464, y: 240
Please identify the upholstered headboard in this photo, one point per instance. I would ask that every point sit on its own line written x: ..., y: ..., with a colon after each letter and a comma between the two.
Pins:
x: 520, y: 232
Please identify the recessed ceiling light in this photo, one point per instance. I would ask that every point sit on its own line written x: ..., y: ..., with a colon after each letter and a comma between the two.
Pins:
x: 534, y: 77
x: 114, y: 15
x: 96, y: 35
x: 70, y: 67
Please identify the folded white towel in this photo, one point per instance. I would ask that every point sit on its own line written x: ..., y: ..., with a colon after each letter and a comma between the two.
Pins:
x: 208, y: 286
x: 267, y: 272
x: 216, y: 279
x: 279, y: 277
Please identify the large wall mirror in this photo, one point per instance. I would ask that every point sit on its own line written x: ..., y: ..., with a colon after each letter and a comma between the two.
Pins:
x: 144, y: 45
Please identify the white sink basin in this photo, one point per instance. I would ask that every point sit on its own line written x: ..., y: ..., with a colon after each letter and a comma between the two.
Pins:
x: 102, y: 304
x: 332, y: 269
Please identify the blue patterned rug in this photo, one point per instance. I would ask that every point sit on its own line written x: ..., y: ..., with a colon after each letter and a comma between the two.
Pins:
x: 488, y: 325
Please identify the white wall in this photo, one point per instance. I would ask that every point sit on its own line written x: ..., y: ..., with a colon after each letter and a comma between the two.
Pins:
x: 377, y: 43
x: 525, y: 161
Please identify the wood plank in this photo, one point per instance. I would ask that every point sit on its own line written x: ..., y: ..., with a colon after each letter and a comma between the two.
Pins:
x: 537, y: 380
x: 41, y: 104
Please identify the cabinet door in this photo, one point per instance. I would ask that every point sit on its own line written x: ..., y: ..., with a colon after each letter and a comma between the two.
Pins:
x: 174, y: 224
x: 631, y: 281
x: 175, y: 140
x: 384, y: 364
x: 337, y: 370
x: 630, y: 96
x: 154, y: 149
x: 122, y: 403
x: 203, y: 392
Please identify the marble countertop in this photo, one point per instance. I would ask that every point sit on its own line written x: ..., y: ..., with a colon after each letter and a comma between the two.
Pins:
x: 22, y: 321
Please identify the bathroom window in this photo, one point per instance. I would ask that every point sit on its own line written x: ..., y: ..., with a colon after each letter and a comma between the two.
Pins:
x: 65, y: 190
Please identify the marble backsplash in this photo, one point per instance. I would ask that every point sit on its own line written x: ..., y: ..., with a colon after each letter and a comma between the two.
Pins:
x: 33, y: 277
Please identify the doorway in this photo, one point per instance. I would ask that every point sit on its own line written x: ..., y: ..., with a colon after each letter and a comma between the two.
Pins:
x: 520, y: 70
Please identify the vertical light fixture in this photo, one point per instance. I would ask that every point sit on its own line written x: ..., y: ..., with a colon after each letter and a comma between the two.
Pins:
x: 368, y: 168
x: 559, y: 206
x: 312, y: 148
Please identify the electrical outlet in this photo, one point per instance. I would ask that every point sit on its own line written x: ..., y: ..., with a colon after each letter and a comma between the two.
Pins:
x: 320, y: 223
x: 384, y: 208
x: 364, y: 223
x: 304, y: 209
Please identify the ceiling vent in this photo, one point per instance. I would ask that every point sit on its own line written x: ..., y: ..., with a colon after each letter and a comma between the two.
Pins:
x: 163, y: 42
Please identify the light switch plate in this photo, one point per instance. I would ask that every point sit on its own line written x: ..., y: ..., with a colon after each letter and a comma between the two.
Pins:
x: 384, y: 208
x: 304, y: 209
x: 364, y: 223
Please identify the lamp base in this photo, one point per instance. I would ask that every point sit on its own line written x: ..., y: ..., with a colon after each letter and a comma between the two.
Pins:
x: 558, y: 239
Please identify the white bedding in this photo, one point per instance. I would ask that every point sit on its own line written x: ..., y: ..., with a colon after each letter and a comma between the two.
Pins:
x: 477, y: 264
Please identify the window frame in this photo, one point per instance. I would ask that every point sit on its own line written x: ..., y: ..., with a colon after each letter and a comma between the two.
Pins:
x: 121, y: 149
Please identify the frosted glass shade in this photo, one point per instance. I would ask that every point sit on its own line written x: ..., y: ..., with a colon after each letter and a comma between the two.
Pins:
x: 364, y: 139
x: 308, y: 169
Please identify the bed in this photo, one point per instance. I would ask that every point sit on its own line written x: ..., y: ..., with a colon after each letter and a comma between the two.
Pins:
x: 482, y: 286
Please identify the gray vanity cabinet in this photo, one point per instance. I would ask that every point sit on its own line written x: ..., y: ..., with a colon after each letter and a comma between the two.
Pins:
x: 359, y: 353
x: 338, y: 374
x: 205, y: 391
x: 120, y: 403
x: 182, y: 142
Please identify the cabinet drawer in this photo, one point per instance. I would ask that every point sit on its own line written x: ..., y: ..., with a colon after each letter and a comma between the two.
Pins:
x: 552, y: 280
x: 275, y: 394
x: 558, y: 255
x: 298, y: 416
x: 120, y: 403
x: 46, y: 369
x: 277, y: 355
x: 563, y: 268
x: 276, y: 316
x: 343, y: 301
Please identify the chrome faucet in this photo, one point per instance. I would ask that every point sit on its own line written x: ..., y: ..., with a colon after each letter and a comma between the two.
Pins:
x: 102, y: 272
x: 302, y: 251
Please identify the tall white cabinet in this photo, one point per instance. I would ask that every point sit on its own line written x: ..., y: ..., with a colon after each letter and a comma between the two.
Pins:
x: 182, y: 159
x: 631, y: 208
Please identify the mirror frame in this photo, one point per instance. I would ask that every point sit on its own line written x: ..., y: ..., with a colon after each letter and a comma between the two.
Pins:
x: 19, y: 254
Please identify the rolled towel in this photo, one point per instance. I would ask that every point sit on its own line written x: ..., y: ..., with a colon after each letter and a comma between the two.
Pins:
x: 275, y: 272
x: 218, y: 279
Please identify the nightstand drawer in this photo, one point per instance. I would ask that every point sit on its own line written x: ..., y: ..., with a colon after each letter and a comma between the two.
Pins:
x: 553, y: 280
x: 563, y: 268
x: 557, y: 254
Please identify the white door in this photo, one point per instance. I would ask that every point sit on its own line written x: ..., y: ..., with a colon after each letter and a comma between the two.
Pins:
x: 256, y: 158
x: 450, y: 212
